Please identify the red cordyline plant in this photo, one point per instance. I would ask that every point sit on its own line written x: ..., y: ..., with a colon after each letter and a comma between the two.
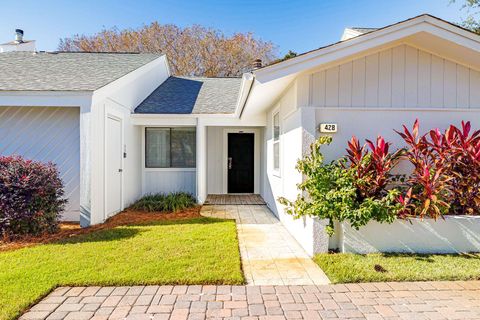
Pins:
x: 372, y: 166
x: 446, y: 176
x: 465, y: 169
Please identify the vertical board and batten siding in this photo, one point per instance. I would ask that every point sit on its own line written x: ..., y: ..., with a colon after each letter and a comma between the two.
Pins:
x: 170, y: 180
x: 400, y: 77
x: 46, y: 134
x: 215, y: 160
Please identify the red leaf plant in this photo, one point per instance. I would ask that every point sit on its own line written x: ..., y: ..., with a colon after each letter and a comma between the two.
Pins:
x: 372, y: 166
x: 446, y: 175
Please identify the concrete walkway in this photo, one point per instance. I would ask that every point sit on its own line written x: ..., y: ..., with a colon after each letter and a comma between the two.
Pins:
x: 414, y: 300
x: 270, y: 255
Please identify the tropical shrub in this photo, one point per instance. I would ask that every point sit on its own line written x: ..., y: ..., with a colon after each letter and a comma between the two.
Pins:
x: 329, y: 191
x: 360, y: 187
x: 465, y: 170
x: 31, y: 197
x: 372, y: 168
x: 446, y: 174
x: 161, y: 202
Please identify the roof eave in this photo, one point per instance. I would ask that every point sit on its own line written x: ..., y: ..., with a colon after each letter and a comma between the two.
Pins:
x: 301, y: 62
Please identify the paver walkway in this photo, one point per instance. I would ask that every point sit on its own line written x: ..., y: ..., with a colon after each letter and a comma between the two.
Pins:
x: 419, y: 300
x: 270, y: 255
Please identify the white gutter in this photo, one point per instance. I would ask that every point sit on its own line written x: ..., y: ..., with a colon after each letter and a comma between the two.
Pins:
x: 247, y: 84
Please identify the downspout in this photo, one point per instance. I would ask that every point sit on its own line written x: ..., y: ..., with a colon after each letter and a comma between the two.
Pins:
x: 248, y: 80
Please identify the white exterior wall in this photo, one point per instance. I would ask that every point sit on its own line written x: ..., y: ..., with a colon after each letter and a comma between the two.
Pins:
x: 399, y: 77
x: 169, y: 180
x: 455, y: 234
x: 165, y: 180
x: 366, y: 96
x: 373, y: 95
x: 78, y: 100
x: 119, y: 99
x: 46, y: 134
x: 295, y: 135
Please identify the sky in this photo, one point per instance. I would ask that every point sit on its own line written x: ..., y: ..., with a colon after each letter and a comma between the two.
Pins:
x: 291, y: 25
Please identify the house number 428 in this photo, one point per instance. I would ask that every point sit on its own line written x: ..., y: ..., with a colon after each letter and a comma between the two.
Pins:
x: 328, y: 127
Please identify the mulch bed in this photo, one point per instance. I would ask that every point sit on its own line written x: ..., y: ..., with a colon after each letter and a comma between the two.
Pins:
x: 128, y: 217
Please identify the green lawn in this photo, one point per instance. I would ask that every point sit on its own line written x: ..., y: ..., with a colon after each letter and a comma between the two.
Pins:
x: 344, y: 268
x: 198, y: 251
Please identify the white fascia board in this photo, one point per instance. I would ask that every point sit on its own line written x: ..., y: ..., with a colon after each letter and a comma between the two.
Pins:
x: 46, y: 98
x: 367, y: 41
x: 144, y: 80
x: 192, y: 119
x: 245, y: 89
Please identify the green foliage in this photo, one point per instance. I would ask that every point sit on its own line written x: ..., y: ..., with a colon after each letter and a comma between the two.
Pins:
x: 471, y: 21
x: 329, y: 192
x: 160, y: 202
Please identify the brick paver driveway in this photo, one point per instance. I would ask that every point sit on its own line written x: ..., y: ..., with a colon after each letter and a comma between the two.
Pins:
x: 419, y: 300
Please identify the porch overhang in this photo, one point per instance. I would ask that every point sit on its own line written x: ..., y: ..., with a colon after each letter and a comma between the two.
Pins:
x: 258, y: 120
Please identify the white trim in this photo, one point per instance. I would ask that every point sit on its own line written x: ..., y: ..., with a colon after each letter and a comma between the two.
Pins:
x: 277, y: 172
x: 395, y: 109
x: 170, y: 169
x: 256, y: 157
x: 119, y: 118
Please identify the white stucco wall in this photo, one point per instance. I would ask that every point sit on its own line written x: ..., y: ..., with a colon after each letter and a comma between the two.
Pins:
x: 295, y: 136
x: 454, y: 234
x: 368, y: 123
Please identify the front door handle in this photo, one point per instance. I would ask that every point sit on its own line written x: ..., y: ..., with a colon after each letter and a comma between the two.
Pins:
x: 120, y: 170
x: 229, y: 163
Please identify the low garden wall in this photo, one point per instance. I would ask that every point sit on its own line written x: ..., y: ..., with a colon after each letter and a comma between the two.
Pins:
x: 454, y: 234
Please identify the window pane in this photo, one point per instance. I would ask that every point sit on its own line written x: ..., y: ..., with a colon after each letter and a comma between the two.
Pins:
x: 276, y: 127
x: 157, y: 148
x: 276, y: 156
x: 183, y: 147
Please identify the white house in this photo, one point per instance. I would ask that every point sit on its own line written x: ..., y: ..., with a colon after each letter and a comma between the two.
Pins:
x: 119, y: 125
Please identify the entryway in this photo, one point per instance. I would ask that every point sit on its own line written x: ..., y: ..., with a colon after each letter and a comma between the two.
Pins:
x: 270, y: 255
x: 240, y: 165
x: 219, y: 199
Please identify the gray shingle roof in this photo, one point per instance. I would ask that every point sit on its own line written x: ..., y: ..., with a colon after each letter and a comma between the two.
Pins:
x: 184, y: 95
x: 73, y: 71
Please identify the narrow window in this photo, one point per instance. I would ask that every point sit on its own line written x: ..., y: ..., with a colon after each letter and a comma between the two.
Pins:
x: 276, y: 142
x: 170, y: 147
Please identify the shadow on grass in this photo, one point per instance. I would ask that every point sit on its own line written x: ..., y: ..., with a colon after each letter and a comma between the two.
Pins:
x: 128, y: 230
x: 430, y: 257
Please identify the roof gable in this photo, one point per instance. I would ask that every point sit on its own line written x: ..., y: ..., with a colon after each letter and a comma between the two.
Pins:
x: 425, y: 32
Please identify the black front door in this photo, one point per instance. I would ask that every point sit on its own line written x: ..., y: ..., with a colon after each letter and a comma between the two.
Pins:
x: 240, y: 162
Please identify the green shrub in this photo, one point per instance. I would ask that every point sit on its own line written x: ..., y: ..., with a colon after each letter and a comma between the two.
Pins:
x: 329, y: 191
x: 161, y: 202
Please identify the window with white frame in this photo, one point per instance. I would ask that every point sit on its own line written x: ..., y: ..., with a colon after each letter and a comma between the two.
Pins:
x: 276, y: 142
x: 170, y: 147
